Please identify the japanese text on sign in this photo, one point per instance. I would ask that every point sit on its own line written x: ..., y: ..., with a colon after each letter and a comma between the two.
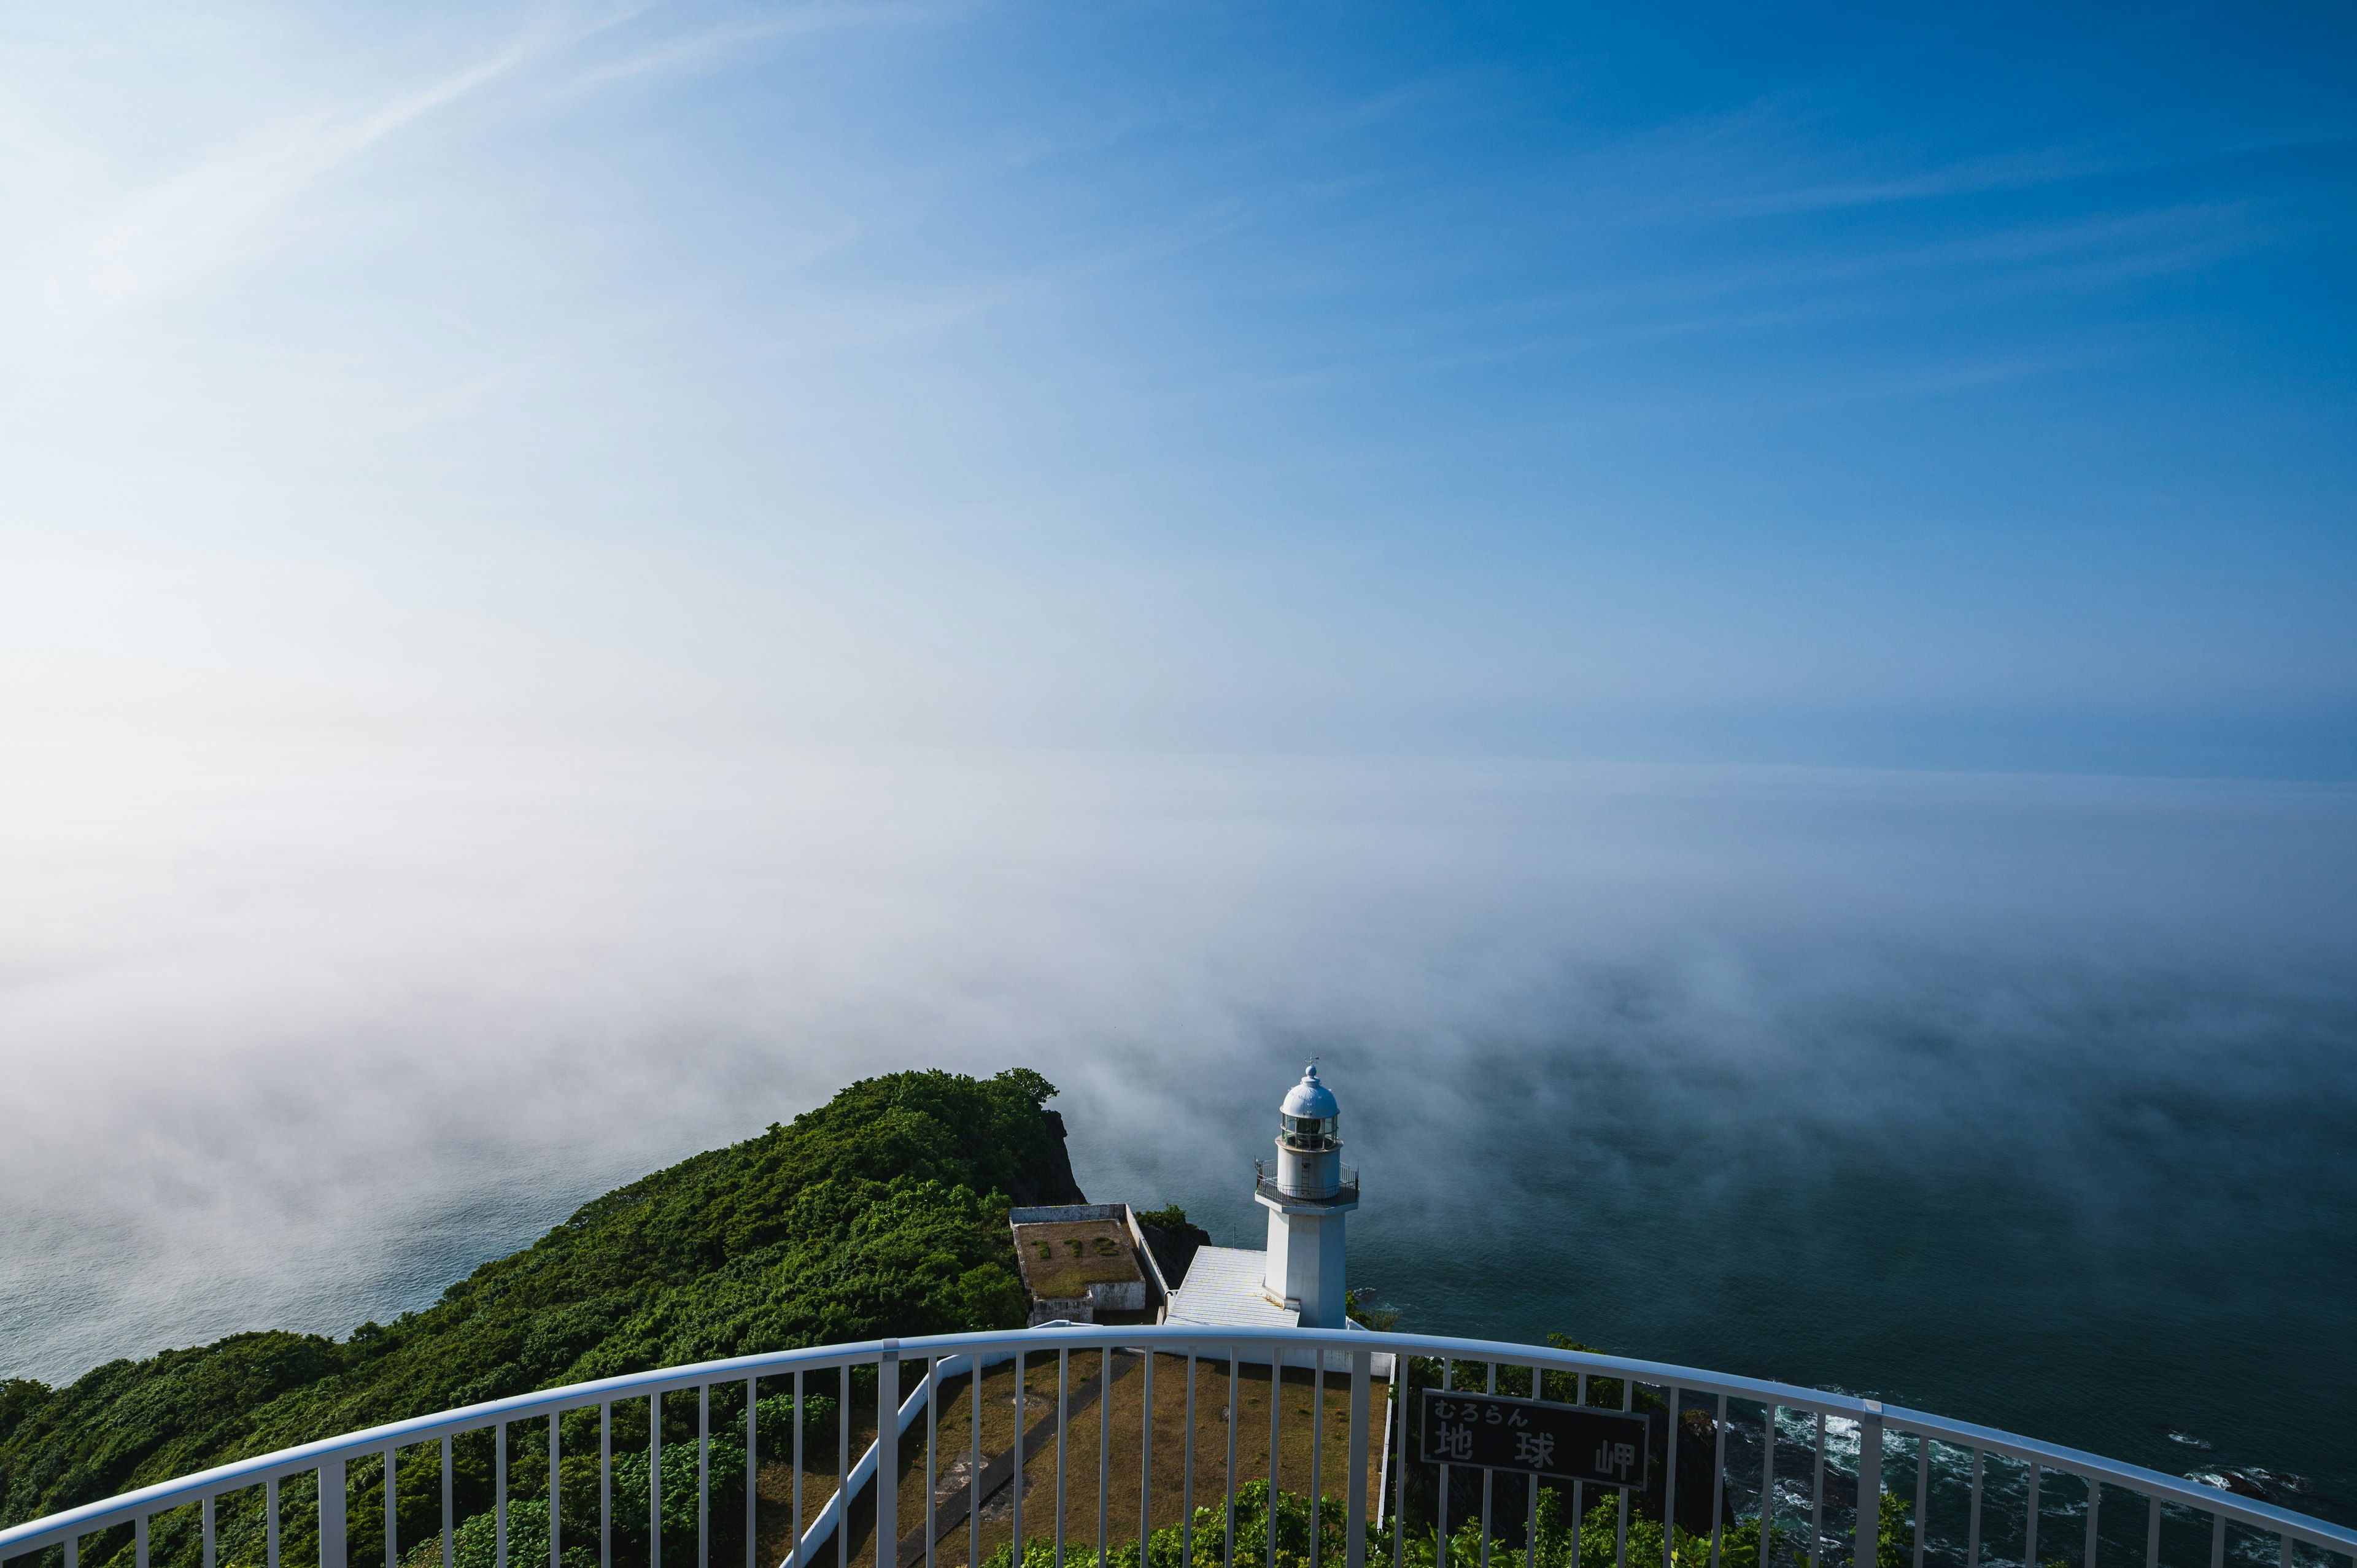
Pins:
x: 1568, y: 1443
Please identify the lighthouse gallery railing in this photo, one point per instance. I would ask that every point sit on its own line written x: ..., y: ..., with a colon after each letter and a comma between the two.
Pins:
x: 1264, y: 1182
x: 1805, y: 1439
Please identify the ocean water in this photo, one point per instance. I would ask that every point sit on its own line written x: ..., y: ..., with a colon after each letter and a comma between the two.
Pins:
x: 2024, y: 1101
x: 2164, y: 1275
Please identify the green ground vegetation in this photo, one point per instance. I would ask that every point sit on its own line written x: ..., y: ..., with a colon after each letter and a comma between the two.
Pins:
x: 881, y: 1213
x: 1595, y: 1544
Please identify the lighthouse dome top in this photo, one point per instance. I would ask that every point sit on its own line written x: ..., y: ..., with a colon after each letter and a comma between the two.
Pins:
x: 1310, y: 1099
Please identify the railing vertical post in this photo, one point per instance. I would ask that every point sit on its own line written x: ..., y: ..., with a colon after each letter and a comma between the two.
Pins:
x: 843, y: 1463
x: 208, y: 1524
x: 499, y: 1489
x: 1718, y: 1481
x: 797, y: 1554
x: 2095, y: 1503
x: 1383, y: 1458
x: 887, y: 1462
x: 2152, y: 1536
x: 1973, y: 1530
x: 2217, y: 1540
x: 392, y: 1511
x: 1816, y: 1498
x: 1275, y: 1404
x: 73, y: 1550
x: 1864, y: 1554
x: 1620, y: 1535
x: 1227, y: 1558
x: 973, y: 1469
x: 933, y: 1452
x: 270, y: 1523
x: 1531, y: 1489
x: 654, y: 1481
x: 1104, y: 1457
x: 1361, y: 1367
x: 1144, y: 1463
x: 1317, y: 1452
x: 556, y: 1499
x: 1767, y: 1488
x: 1015, y: 1522
x: 703, y: 1478
x: 604, y: 1485
x: 1668, y: 1482
x: 1064, y: 1438
x: 1489, y: 1483
x: 1187, y: 1483
x: 1441, y: 1503
x: 449, y: 1519
x: 1401, y: 1390
x: 1579, y: 1397
x: 1923, y: 1494
x: 2029, y: 1529
x: 331, y: 1518
x: 753, y: 1473
x: 139, y: 1534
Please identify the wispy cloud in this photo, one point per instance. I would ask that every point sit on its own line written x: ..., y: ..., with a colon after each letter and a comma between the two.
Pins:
x: 1743, y: 293
x: 1776, y: 157
x: 222, y: 206
x: 2116, y: 156
x: 699, y: 48
x: 216, y: 207
x: 1941, y: 380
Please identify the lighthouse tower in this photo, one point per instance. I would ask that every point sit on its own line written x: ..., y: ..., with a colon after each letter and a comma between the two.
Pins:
x: 1308, y: 1193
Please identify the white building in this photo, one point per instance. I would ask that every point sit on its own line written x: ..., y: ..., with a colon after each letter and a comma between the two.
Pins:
x: 1303, y: 1279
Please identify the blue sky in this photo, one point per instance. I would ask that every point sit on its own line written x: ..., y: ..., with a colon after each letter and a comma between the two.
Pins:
x: 1964, y: 389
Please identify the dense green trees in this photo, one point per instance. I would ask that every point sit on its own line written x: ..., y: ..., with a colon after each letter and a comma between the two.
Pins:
x: 1174, y: 1239
x: 881, y: 1213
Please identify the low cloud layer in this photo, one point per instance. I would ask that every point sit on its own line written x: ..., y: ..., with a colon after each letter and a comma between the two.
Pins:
x: 295, y: 1036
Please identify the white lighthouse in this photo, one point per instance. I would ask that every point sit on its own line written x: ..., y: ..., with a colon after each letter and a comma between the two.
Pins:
x: 1308, y: 1194
x: 1301, y: 1279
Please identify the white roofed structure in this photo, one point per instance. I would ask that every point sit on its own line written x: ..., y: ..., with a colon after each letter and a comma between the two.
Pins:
x: 1223, y: 1290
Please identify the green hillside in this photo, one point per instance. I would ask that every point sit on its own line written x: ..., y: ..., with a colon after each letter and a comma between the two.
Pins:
x: 881, y: 1213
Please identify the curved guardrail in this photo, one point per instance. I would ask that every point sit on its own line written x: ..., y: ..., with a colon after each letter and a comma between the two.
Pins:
x: 1817, y: 1428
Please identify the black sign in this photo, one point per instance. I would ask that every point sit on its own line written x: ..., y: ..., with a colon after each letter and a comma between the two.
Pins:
x: 1568, y: 1443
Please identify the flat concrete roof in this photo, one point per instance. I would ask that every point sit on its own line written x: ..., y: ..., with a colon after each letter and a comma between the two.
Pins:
x: 1062, y: 1258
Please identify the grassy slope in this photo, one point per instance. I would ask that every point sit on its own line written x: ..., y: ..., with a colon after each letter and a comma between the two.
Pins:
x: 880, y: 1213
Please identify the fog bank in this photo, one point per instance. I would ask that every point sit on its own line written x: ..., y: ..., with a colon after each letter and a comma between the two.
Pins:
x: 294, y: 1036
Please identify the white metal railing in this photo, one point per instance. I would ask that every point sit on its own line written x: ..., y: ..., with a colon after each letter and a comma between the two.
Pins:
x: 1823, y: 1426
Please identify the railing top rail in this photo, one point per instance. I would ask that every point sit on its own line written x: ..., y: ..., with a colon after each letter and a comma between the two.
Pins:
x: 239, y: 1473
x: 1267, y: 1170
